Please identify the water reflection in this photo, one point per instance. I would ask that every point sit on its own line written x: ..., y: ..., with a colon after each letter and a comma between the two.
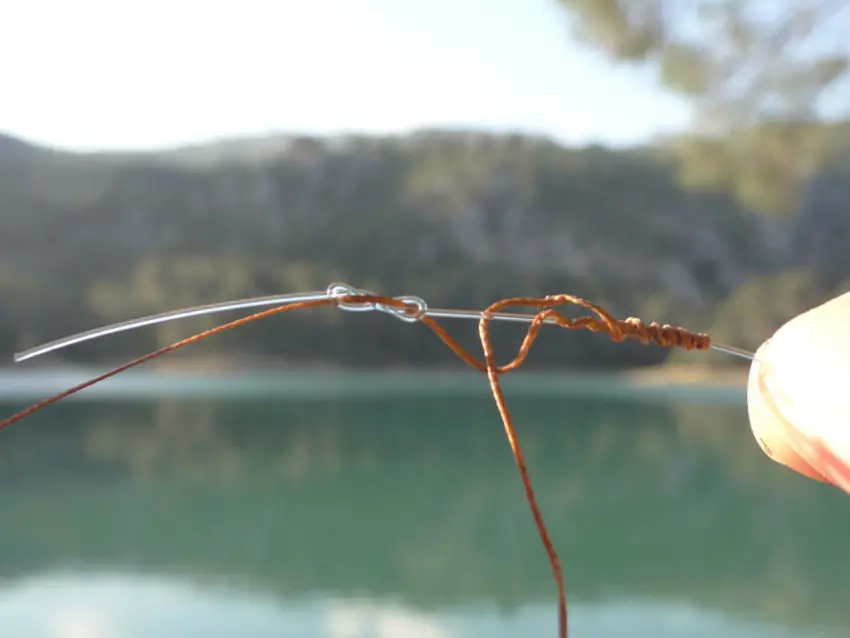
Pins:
x: 113, y: 605
x: 384, y: 518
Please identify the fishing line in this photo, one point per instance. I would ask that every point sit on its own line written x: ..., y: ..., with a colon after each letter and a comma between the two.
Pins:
x: 412, y: 309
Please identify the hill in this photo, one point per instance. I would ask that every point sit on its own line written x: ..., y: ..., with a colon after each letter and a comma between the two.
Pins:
x: 461, y: 218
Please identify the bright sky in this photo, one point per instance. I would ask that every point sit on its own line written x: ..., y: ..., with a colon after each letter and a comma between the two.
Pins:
x: 109, y: 74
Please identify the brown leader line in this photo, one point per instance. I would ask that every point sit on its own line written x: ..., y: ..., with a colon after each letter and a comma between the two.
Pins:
x: 618, y: 330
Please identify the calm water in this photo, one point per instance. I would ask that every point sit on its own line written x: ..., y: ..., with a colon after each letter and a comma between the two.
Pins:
x: 374, y: 517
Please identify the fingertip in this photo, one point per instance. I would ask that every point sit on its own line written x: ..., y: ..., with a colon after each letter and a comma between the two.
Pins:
x: 777, y: 437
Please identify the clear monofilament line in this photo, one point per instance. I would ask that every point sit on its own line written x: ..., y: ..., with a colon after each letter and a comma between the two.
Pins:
x: 417, y: 309
x: 163, y: 317
x: 736, y: 352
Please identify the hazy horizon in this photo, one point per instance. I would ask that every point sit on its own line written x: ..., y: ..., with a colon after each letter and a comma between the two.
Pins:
x: 160, y: 77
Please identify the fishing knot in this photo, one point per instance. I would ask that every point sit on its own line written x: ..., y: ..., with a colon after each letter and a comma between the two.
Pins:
x: 407, y: 308
x: 661, y: 334
x: 621, y: 329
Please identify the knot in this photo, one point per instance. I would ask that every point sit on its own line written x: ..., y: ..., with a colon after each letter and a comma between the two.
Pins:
x: 663, y: 335
x: 339, y: 292
x: 407, y: 308
x: 413, y: 309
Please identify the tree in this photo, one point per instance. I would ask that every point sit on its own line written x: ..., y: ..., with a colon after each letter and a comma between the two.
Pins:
x: 757, y: 73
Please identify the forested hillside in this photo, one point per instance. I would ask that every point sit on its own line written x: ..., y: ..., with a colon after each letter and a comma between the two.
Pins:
x: 460, y: 218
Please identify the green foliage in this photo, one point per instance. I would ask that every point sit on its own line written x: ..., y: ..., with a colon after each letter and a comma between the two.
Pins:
x: 462, y: 219
x: 759, y: 307
x: 754, y: 74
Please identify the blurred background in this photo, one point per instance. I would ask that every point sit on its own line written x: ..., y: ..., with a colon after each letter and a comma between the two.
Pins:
x: 335, y: 475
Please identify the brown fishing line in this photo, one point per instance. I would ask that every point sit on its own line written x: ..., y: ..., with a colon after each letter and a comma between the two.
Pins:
x: 618, y: 330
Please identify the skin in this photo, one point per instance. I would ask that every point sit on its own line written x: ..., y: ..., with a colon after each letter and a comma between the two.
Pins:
x: 798, y: 394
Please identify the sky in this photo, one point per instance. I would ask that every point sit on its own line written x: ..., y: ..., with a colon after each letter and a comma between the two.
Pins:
x: 106, y: 75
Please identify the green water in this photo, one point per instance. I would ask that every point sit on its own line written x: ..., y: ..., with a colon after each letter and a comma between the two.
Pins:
x: 373, y: 517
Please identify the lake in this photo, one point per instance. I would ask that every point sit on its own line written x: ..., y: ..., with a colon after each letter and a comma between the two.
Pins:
x: 189, y: 511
